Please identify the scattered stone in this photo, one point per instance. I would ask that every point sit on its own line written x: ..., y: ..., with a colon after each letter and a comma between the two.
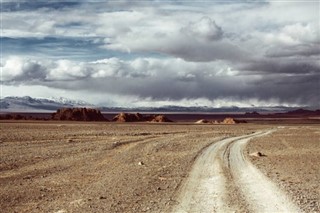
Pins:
x: 71, y: 140
x: 140, y: 163
x: 27, y: 177
x: 115, y: 144
x: 61, y: 211
x: 257, y: 154
x: 162, y: 178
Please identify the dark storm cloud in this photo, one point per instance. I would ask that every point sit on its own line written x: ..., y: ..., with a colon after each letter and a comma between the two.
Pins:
x: 295, y: 50
x: 211, y: 88
x: 32, y: 71
x: 131, y: 78
x: 278, y: 66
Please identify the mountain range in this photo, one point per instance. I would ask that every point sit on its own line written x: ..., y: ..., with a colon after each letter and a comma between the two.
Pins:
x: 29, y: 104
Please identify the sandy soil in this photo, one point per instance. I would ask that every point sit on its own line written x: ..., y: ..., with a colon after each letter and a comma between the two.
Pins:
x: 109, y: 167
x: 100, y: 167
x: 292, y: 162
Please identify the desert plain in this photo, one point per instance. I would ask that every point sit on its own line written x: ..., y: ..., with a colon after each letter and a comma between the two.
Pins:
x: 54, y: 166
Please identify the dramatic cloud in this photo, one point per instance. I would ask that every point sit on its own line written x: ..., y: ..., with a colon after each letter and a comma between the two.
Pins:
x: 165, y: 79
x: 205, y: 29
x: 165, y: 52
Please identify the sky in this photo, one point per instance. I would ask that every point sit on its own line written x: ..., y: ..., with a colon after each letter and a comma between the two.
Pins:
x: 156, y: 53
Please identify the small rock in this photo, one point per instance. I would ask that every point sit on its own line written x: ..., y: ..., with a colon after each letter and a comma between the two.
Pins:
x: 162, y: 178
x: 257, y: 154
x: 102, y: 197
x: 70, y: 140
x: 140, y: 163
x: 27, y: 177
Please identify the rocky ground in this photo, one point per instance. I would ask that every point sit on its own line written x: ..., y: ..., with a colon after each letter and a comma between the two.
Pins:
x: 136, y: 167
x: 99, y: 167
x: 292, y: 156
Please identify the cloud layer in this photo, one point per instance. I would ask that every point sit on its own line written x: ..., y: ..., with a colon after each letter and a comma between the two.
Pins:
x: 172, y: 51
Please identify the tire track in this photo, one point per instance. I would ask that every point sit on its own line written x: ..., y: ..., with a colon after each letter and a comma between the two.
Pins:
x: 204, y: 190
x: 261, y: 194
x: 221, y: 170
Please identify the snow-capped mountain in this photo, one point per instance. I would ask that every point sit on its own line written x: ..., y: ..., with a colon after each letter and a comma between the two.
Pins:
x: 68, y: 101
x: 28, y: 104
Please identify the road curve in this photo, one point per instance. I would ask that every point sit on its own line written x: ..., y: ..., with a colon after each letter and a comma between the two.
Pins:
x: 205, y: 190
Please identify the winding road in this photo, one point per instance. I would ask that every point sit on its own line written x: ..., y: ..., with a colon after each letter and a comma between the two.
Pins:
x: 223, y: 180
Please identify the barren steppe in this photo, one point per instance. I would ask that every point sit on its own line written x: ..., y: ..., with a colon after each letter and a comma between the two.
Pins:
x: 292, y: 156
x: 136, y: 167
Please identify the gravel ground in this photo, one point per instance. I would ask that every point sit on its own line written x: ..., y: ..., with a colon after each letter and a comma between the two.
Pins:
x: 292, y: 162
x: 100, y: 167
x: 110, y: 167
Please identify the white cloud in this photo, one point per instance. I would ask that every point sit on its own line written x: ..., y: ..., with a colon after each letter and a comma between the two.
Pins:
x: 12, y: 68
x: 205, y: 28
x: 20, y: 69
x: 293, y: 34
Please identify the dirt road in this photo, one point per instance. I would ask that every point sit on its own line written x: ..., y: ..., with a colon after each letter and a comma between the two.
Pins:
x: 223, y: 180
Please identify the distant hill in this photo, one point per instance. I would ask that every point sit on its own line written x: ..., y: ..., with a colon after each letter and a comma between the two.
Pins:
x: 78, y: 114
x: 137, y: 117
x: 300, y: 113
x: 28, y: 104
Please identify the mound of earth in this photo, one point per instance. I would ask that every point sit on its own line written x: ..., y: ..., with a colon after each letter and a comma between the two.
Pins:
x: 78, y: 114
x: 232, y: 121
x: 128, y: 117
x: 203, y: 121
x: 137, y: 117
x: 160, y: 119
x: 228, y: 121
